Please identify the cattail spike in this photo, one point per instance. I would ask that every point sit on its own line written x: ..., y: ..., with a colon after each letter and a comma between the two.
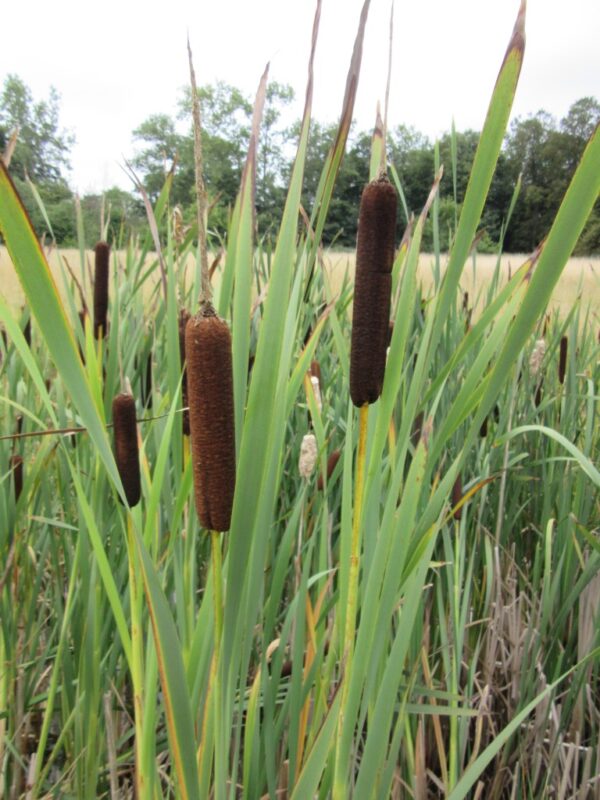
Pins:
x: 457, y: 496
x: 16, y: 465
x: 372, y: 290
x: 332, y: 461
x: 101, y: 289
x: 212, y: 432
x: 562, y: 361
x: 126, y: 446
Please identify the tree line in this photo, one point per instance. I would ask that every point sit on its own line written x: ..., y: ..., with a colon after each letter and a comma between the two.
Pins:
x: 539, y: 155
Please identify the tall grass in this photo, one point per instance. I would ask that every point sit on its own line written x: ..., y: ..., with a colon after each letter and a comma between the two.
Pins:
x: 475, y: 659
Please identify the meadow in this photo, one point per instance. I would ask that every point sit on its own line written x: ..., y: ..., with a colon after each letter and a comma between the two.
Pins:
x: 405, y: 599
x: 579, y: 281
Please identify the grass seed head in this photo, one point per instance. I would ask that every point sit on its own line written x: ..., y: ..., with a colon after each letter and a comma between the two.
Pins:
x: 372, y: 290
x: 126, y: 446
x: 101, y: 289
x: 212, y: 431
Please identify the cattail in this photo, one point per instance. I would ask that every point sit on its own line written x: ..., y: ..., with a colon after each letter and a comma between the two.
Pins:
x: 417, y: 427
x: 457, y: 496
x: 147, y: 381
x: 562, y: 361
x: 16, y: 465
x: 332, y: 461
x: 539, y: 393
x: 537, y: 357
x: 308, y: 456
x: 27, y: 332
x: 316, y: 387
x: 483, y: 430
x: 101, y: 290
x: 212, y: 430
x: 184, y: 316
x: 315, y: 370
x: 372, y: 290
x: 126, y: 446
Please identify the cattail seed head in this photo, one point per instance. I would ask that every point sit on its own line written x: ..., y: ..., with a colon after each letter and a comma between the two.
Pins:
x: 184, y: 316
x: 562, y: 361
x: 212, y: 430
x: 126, y: 446
x: 16, y: 466
x: 457, y: 496
x: 537, y: 357
x: 27, y: 332
x: 417, y: 427
x: 308, y: 455
x: 332, y: 461
x: 372, y: 290
x: 101, y: 289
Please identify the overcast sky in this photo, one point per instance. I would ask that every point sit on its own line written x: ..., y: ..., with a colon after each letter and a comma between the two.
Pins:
x: 115, y: 63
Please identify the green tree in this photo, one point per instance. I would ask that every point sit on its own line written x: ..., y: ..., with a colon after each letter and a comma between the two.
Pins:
x: 42, y: 149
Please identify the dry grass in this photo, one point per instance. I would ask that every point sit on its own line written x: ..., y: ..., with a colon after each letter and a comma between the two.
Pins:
x: 581, y: 278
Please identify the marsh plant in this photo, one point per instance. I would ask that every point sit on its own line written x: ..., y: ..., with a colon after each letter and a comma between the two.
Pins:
x: 414, y: 616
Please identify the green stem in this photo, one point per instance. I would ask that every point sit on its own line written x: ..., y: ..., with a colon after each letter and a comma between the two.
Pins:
x: 341, y: 762
x: 137, y: 658
x: 220, y: 755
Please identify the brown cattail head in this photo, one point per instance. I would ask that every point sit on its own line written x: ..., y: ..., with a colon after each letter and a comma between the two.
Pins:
x: 126, y: 446
x: 457, y: 496
x: 212, y: 431
x: 562, y: 361
x: 184, y: 316
x: 372, y: 290
x: 101, y: 289
x: 332, y: 461
x: 16, y: 466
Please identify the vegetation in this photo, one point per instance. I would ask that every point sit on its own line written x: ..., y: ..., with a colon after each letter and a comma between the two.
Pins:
x: 539, y: 150
x: 422, y: 625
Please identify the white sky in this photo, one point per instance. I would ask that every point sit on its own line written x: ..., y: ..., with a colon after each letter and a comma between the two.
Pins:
x: 115, y: 63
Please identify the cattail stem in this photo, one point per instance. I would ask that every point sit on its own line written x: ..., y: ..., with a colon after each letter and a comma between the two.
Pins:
x: 137, y: 656
x: 341, y: 764
x: 220, y: 750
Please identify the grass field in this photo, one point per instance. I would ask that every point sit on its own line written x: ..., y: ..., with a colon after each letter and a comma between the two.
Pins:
x: 580, y: 279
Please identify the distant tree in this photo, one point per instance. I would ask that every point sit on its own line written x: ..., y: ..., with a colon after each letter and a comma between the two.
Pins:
x: 42, y: 149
